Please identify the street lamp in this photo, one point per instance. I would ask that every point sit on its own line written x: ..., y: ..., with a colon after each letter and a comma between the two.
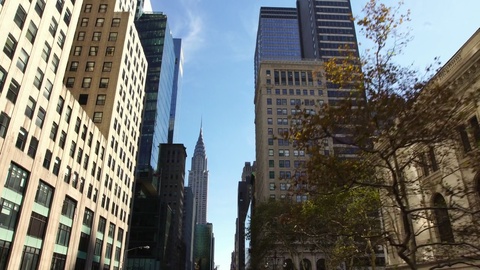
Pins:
x: 275, y: 261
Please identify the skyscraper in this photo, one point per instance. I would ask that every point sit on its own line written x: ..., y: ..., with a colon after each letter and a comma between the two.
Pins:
x: 176, y: 90
x: 198, y: 179
x: 68, y: 171
x: 278, y: 35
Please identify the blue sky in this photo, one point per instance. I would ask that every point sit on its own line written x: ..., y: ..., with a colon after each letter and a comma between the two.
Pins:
x: 218, y: 45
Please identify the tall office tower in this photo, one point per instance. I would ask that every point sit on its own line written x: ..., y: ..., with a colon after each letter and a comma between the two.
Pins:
x: 204, y: 247
x: 278, y: 36
x: 243, y: 204
x: 157, y: 42
x: 57, y: 201
x: 188, y: 225
x: 198, y: 179
x: 326, y: 26
x: 177, y: 79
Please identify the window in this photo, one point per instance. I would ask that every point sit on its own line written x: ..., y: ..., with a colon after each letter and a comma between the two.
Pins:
x: 83, y: 99
x: 462, y: 130
x: 97, y: 117
x: 93, y: 51
x: 102, y: 8
x: 70, y: 81
x: 47, y: 159
x: 72, y: 149
x: 87, y: 81
x: 104, y: 83
x: 61, y: 39
x: 111, y: 230
x: 115, y: 22
x: 107, y: 67
x: 12, y: 93
x: 89, y: 66
x: 81, y: 36
x: 113, y: 36
x: 77, y: 50
x: 442, y: 219
x: 61, y: 102
x: 37, y: 226
x: 39, y: 7
x: 17, y: 178
x: 58, y: 261
x: 59, y: 5
x: 102, y: 223
x: 120, y: 235
x: 68, y: 114
x: 98, y: 247
x: 20, y: 17
x: 101, y: 99
x: 84, y: 22
x: 108, y: 251
x: 84, y: 242
x: 40, y: 117
x: 61, y: 141
x: 29, y: 110
x: 4, y: 122
x: 3, y: 77
x: 99, y: 22
x: 88, y: 218
x: 63, y: 235
x: 32, y: 148
x: 67, y: 17
x: 56, y: 166
x: 68, y: 175
x: 30, y: 258
x: 8, y: 214
x: 53, y: 27
x: 74, y: 66
x: 22, y: 60
x: 21, y: 139
x: 87, y: 8
x: 55, y: 62
x: 44, y: 194
x: 31, y: 32
x: 53, y: 131
x: 46, y: 52
x: 96, y: 36
x: 38, y: 79
x: 48, y: 89
x: 110, y: 51
x: 68, y: 209
x: 10, y: 46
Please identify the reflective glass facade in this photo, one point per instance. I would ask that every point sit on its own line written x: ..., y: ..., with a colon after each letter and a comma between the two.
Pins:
x: 157, y: 42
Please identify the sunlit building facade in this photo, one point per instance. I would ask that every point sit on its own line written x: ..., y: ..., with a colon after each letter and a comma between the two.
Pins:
x: 68, y: 171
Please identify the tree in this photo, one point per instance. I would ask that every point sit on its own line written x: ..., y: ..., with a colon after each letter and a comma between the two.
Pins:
x: 396, y: 133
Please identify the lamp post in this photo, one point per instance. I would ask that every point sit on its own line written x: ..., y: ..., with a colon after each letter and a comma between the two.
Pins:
x: 275, y: 261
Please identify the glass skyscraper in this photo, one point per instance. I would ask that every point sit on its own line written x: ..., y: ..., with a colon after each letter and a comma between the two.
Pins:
x: 157, y: 42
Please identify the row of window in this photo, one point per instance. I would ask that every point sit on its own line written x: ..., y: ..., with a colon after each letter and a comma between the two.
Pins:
x: 90, y: 66
x: 291, y: 92
x: 100, y: 22
x: 93, y: 51
x: 295, y: 102
x: 97, y: 36
x: 87, y: 82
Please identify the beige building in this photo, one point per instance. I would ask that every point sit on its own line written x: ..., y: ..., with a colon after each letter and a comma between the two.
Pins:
x: 443, y: 187
x: 67, y: 159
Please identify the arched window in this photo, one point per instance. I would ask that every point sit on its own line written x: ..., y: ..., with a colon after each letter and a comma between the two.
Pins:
x: 305, y: 264
x: 288, y: 264
x: 442, y: 220
x: 321, y: 264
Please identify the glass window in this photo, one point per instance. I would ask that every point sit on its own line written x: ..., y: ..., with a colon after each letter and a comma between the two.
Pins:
x: 56, y: 166
x: 20, y: 17
x: 86, y: 82
x: 115, y: 22
x: 8, y: 214
x: 47, y: 89
x: 113, y: 36
x: 12, y: 93
x: 53, y: 27
x: 100, y: 22
x: 61, y: 39
x: 102, y: 8
x: 21, y: 139
x: 3, y: 77
x: 110, y: 51
x: 44, y: 194
x: 96, y: 36
x: 30, y: 258
x: 61, y: 102
x: 22, y: 60
x: 87, y: 8
x: 31, y: 32
x: 37, y: 82
x: 10, y: 46
x: 89, y: 66
x: 61, y: 141
x: 70, y: 82
x: 63, y: 235
x: 98, y: 247
x: 58, y: 261
x: 68, y: 209
x: 37, y: 226
x: 84, y: 243
x: 40, y: 7
x: 40, y: 117
x: 88, y: 218
x: 74, y: 66
x: 102, y: 223
x: 93, y: 51
x: 107, y: 67
x: 103, y: 82
x: 4, y: 122
x: 59, y: 5
x: 97, y: 117
x: 68, y: 114
x: 81, y: 36
x: 101, y: 99
x: 55, y: 62
x: 77, y: 50
x: 46, y: 52
x: 32, y: 148
x: 47, y: 159
x: 83, y: 99
x: 67, y: 17
x: 54, y: 131
x: 29, y: 110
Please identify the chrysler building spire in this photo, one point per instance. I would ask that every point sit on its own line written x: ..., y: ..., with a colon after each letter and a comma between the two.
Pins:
x: 198, y: 179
